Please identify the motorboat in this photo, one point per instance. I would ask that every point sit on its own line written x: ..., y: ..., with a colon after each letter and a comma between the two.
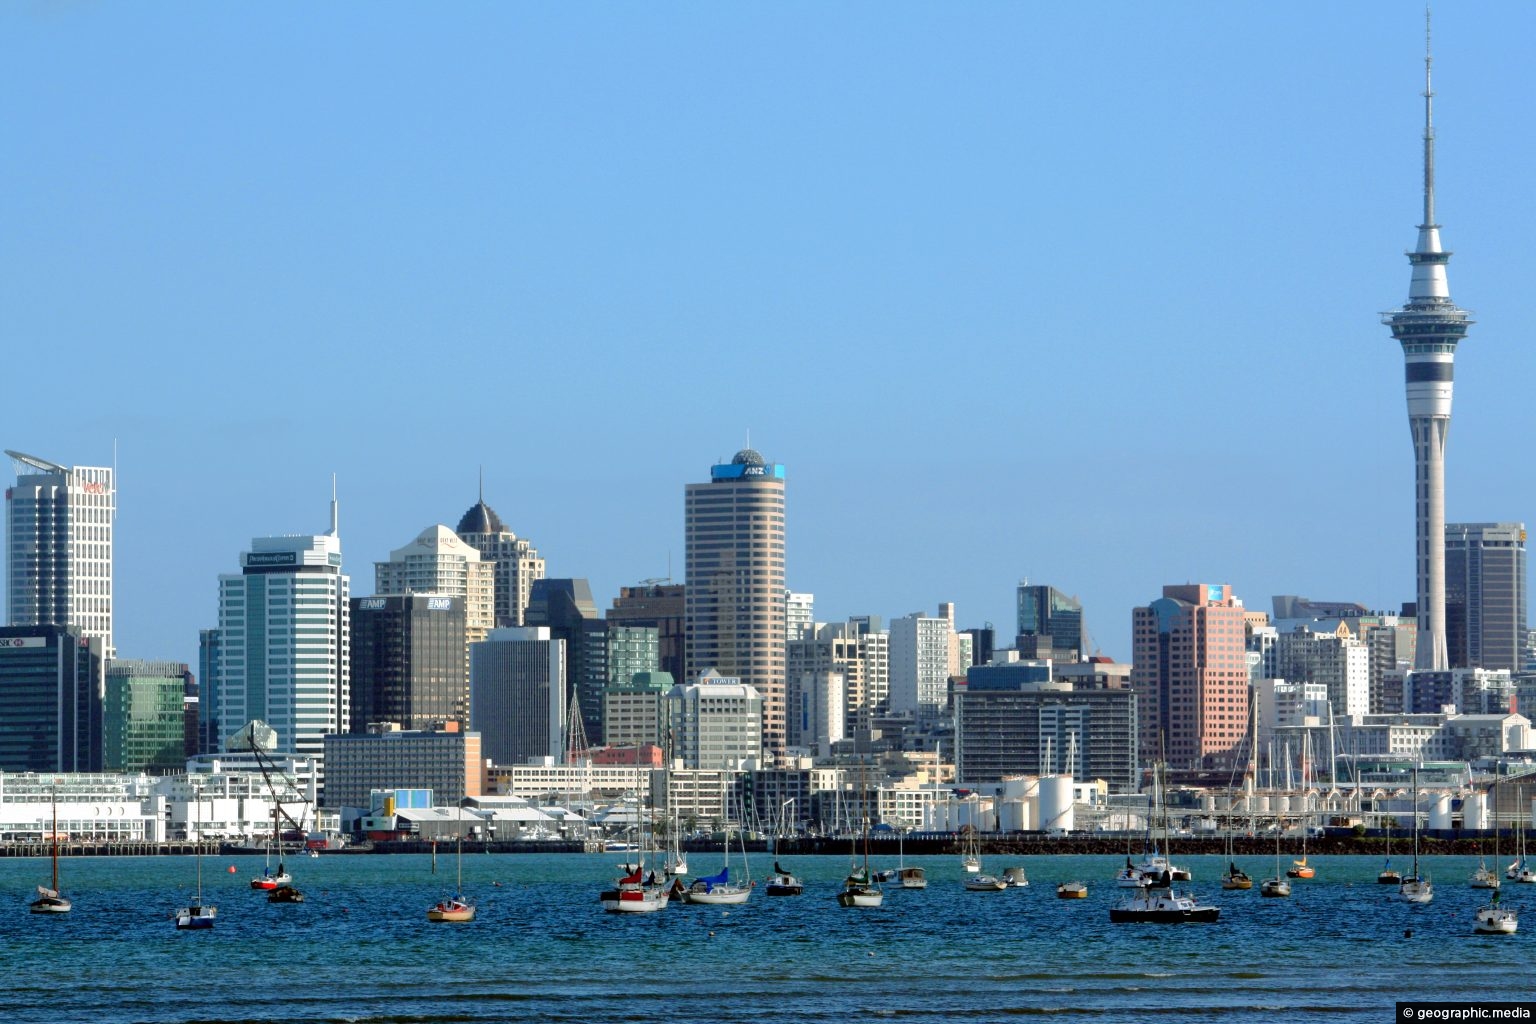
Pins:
x: 985, y: 883
x: 1072, y: 891
x: 912, y: 878
x: 1016, y: 878
x: 782, y: 883
x: 1159, y: 904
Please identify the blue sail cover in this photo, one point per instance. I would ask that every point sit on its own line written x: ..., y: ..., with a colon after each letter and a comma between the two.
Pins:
x: 710, y: 881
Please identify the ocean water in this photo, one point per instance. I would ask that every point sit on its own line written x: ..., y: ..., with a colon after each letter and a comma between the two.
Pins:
x: 541, y: 949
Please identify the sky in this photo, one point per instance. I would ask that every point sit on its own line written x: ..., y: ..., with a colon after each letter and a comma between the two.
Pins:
x: 1087, y: 294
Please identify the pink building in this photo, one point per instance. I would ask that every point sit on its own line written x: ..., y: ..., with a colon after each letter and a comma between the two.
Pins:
x: 1190, y: 672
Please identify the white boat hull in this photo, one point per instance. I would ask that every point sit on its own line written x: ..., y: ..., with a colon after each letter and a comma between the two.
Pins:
x: 636, y: 901
x: 720, y: 895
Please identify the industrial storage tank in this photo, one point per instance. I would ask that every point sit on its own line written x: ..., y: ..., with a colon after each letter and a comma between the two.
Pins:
x: 1018, y: 815
x: 1056, y: 810
x: 1475, y: 811
x: 1440, y: 811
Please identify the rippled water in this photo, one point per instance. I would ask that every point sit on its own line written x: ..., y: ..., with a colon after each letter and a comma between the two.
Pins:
x: 360, y: 949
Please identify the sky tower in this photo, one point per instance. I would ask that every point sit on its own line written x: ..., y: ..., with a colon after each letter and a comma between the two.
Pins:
x: 1429, y: 325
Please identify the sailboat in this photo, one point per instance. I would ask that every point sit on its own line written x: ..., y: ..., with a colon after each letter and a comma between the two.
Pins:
x: 1389, y: 875
x: 634, y: 893
x: 456, y: 908
x: 1300, y: 868
x: 1234, y: 877
x: 782, y: 882
x: 196, y: 916
x: 1519, y: 870
x: 908, y: 877
x: 969, y: 860
x: 1416, y: 888
x: 1157, y: 903
x: 48, y: 899
x: 267, y: 881
x: 859, y: 889
x: 718, y: 889
x: 1492, y: 919
x: 1276, y: 886
x: 978, y: 882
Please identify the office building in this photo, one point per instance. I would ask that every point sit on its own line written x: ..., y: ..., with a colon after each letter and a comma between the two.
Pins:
x: 818, y: 712
x: 566, y: 607
x: 859, y: 651
x: 58, y: 528
x: 410, y: 665
x: 658, y: 605
x: 209, y: 651
x: 446, y: 760
x: 1190, y: 673
x: 516, y: 698
x: 144, y: 717
x: 1485, y: 595
x: 734, y: 602
x: 716, y: 722
x: 285, y: 639
x: 439, y: 562
x: 52, y: 687
x: 517, y: 563
x: 1337, y: 660
x: 1050, y: 624
x: 1429, y: 327
x: 635, y: 710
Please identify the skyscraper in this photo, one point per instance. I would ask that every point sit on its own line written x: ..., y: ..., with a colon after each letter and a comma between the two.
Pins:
x: 925, y: 653
x: 53, y: 682
x: 517, y: 563
x: 285, y: 642
x: 1049, y: 621
x: 1429, y: 326
x: 410, y: 665
x: 58, y: 528
x: 144, y: 719
x: 439, y: 562
x: 1485, y: 594
x: 734, y: 602
x: 566, y: 607
x: 516, y: 701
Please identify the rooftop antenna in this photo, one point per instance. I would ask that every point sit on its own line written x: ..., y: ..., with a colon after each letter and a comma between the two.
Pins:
x: 482, y: 483
x: 335, y: 518
x: 1429, y: 128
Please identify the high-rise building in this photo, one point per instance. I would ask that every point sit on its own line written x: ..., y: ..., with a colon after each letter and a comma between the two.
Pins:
x: 1049, y: 619
x: 716, y: 722
x: 1337, y: 660
x: 52, y: 684
x: 285, y: 639
x: 635, y: 710
x: 144, y: 719
x: 516, y: 698
x: 58, y: 528
x: 734, y: 603
x: 925, y: 653
x: 439, y: 562
x: 517, y: 563
x: 631, y: 649
x: 659, y: 605
x: 1485, y: 595
x: 799, y: 614
x: 409, y: 662
x: 209, y: 654
x: 1429, y: 327
x: 1190, y: 673
x: 859, y: 651
x: 566, y: 607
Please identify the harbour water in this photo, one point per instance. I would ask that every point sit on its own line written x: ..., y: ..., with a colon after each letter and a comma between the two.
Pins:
x: 541, y: 949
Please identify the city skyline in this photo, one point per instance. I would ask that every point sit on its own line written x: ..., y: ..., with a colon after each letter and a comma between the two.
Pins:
x: 1094, y: 288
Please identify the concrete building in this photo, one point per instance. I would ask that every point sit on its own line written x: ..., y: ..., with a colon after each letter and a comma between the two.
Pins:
x: 209, y: 654
x: 1286, y: 704
x: 1429, y: 327
x: 799, y: 615
x: 58, y: 529
x: 516, y: 698
x: 517, y: 563
x: 144, y: 717
x: 1190, y: 672
x: 52, y: 687
x: 1468, y: 690
x: 734, y: 603
x: 286, y: 642
x: 410, y: 665
x: 635, y: 711
x: 817, y: 712
x: 631, y: 650
x: 859, y: 651
x: 716, y: 723
x: 1338, y: 660
x: 1485, y: 595
x: 925, y: 653
x: 448, y: 761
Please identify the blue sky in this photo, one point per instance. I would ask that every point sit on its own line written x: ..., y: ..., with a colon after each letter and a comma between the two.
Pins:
x: 1086, y: 293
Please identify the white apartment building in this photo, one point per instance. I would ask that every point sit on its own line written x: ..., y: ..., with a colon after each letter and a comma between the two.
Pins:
x: 439, y: 562
x: 924, y: 653
x: 58, y: 527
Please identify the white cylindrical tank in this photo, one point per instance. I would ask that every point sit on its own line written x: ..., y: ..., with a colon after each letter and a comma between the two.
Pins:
x: 1263, y: 804
x: 1016, y: 815
x: 1208, y: 803
x: 1440, y: 811
x: 1474, y: 810
x: 1532, y: 823
x: 1056, y: 803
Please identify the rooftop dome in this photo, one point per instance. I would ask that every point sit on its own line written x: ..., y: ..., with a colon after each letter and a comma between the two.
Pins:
x: 747, y: 457
x: 480, y: 518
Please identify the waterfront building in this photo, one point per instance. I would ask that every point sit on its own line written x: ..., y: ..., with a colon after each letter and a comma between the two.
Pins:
x: 285, y: 638
x: 52, y: 685
x: 1013, y: 719
x: 566, y: 607
x: 1190, y: 672
x: 1485, y: 595
x: 1414, y: 737
x: 734, y: 603
x: 516, y: 698
x: 635, y: 711
x: 58, y: 529
x: 925, y: 653
x: 1050, y: 624
x: 517, y: 563
x: 144, y: 717
x: 698, y: 798
x: 439, y: 562
x: 1429, y: 327
x: 446, y: 760
x: 716, y: 722
x: 409, y: 661
x: 656, y: 604
x: 583, y: 781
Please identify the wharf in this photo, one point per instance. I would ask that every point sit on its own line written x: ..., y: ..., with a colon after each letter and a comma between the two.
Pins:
x: 77, y: 848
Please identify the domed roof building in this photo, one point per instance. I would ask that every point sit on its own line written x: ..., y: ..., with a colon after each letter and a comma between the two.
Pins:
x: 517, y: 562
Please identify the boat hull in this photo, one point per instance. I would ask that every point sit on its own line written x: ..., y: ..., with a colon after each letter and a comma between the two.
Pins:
x: 1198, y: 915
x: 787, y: 888
x: 634, y: 901
x: 1068, y: 891
x: 1495, y: 922
x: 50, y: 905
x: 195, y: 918
x: 1275, y: 887
x: 451, y: 912
x: 860, y: 898
x: 720, y: 895
x: 985, y: 883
